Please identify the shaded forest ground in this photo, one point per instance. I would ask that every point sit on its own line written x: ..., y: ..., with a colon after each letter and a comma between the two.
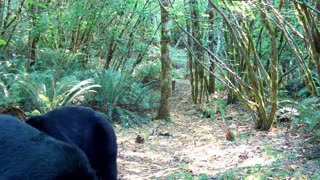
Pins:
x: 193, y: 147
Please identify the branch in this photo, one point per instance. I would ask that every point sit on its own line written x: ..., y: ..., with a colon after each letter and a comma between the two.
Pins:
x: 307, y: 5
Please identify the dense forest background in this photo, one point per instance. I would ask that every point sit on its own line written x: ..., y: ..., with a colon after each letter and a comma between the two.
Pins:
x: 123, y: 57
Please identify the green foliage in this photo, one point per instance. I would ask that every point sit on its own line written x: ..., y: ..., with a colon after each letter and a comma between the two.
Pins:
x: 220, y: 87
x: 270, y: 151
x: 179, y: 73
x: 228, y: 176
x: 114, y: 85
x: 2, y: 42
x: 46, y: 92
x: 5, y: 99
x: 8, y: 84
x: 179, y: 58
x: 179, y: 62
x: 255, y: 176
x: 309, y: 110
x: 275, y: 170
x: 187, y: 176
x: 208, y: 112
x: 33, y: 113
x: 221, y: 106
x: 244, y: 137
x: 59, y: 59
x: 148, y: 71
x: 303, y: 92
x: 122, y: 96
x: 125, y: 117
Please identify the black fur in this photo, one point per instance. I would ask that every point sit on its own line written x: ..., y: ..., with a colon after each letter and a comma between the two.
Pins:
x: 86, y: 129
x: 26, y: 153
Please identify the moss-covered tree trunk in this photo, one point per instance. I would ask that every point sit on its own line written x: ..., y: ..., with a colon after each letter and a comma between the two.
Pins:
x: 189, y: 44
x: 164, y: 110
x: 212, y: 79
x: 310, y: 25
x: 198, y: 70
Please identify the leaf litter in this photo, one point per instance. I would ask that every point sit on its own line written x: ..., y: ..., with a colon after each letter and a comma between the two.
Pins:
x: 195, y: 145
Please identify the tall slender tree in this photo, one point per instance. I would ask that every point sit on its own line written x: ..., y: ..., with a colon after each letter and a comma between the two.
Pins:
x: 164, y: 110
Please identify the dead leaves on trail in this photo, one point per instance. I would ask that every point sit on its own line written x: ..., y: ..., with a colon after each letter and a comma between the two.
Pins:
x: 195, y: 145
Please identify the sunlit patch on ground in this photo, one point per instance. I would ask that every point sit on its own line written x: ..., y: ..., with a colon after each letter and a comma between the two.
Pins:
x: 198, y: 145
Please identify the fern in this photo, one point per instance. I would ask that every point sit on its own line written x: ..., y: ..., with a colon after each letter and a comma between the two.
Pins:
x: 122, y: 96
x: 59, y: 59
x: 8, y: 84
x: 310, y: 116
x: 148, y: 71
x: 47, y: 93
x: 113, y: 85
x: 4, y: 95
x: 78, y: 90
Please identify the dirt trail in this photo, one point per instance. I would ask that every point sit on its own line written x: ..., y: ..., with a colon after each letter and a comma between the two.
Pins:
x: 195, y: 145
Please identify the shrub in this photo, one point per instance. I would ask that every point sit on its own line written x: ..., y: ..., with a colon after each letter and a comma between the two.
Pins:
x: 148, y: 71
x: 124, y: 99
x: 9, y: 73
x: 309, y: 110
x: 46, y: 91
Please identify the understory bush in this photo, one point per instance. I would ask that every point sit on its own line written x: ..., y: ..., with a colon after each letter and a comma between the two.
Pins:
x: 148, y: 71
x: 124, y: 98
x: 123, y: 94
x: 46, y: 91
x: 9, y: 75
x: 309, y: 110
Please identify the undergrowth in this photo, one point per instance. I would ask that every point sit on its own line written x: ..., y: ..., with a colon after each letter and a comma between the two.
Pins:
x: 123, y: 97
x: 309, y: 109
x: 47, y: 91
x: 61, y: 78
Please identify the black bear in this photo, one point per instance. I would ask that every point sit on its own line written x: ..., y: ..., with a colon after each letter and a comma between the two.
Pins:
x: 86, y: 129
x: 26, y: 153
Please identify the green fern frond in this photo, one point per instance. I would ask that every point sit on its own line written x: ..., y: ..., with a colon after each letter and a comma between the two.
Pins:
x: 119, y: 88
x: 77, y: 90
x: 309, y: 115
x: 47, y: 92
x: 110, y: 109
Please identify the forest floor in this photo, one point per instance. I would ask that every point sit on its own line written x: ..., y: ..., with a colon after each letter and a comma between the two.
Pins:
x: 193, y: 147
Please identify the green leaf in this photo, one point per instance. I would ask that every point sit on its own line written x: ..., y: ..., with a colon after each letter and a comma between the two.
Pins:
x: 2, y: 42
x: 42, y: 5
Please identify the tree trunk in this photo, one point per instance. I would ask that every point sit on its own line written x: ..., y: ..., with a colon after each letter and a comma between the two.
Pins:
x: 164, y: 110
x: 212, y: 79
x: 198, y: 83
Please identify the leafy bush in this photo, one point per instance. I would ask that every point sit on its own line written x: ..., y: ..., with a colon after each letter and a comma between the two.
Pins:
x: 221, y: 106
x: 4, y: 95
x: 179, y: 63
x: 228, y: 175
x: 113, y: 85
x: 187, y: 176
x: 179, y: 73
x: 309, y: 110
x: 47, y: 92
x: 179, y: 58
x: 220, y: 87
x: 59, y: 59
x: 8, y: 78
x: 122, y: 96
x: 148, y: 71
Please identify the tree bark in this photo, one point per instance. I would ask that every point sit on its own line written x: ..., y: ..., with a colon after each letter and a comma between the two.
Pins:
x: 212, y: 79
x: 164, y: 109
